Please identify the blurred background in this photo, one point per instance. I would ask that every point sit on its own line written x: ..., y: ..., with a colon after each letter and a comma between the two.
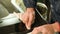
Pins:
x: 6, y: 9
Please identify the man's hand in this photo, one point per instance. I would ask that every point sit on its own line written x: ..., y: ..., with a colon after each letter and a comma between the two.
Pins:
x: 45, y: 29
x: 27, y: 17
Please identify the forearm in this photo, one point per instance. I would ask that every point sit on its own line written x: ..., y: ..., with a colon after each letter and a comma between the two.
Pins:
x: 56, y: 27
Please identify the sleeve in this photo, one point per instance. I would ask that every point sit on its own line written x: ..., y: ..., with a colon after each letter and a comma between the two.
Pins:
x: 55, y: 11
x: 30, y: 3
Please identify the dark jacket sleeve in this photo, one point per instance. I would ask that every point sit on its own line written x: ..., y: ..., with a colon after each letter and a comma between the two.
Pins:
x: 30, y: 3
x: 55, y: 10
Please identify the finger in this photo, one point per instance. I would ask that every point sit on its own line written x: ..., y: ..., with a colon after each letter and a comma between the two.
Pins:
x: 26, y: 26
x: 21, y: 16
x: 50, y: 32
x: 17, y: 14
x: 45, y: 32
x: 36, y: 30
x: 31, y: 18
x: 24, y: 20
x: 30, y: 21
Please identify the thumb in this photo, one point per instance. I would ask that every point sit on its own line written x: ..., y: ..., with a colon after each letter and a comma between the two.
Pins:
x: 30, y: 21
x: 27, y: 26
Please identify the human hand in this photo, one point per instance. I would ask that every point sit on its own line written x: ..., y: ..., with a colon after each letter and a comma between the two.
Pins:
x: 27, y: 17
x: 45, y: 29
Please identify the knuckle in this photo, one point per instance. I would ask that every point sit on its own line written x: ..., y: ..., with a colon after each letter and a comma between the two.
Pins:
x: 36, y: 29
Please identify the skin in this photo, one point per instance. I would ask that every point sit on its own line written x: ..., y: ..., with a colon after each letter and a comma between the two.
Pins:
x: 28, y: 18
x: 47, y: 29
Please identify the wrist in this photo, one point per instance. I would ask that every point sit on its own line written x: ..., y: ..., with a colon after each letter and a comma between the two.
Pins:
x: 56, y: 26
x: 30, y: 10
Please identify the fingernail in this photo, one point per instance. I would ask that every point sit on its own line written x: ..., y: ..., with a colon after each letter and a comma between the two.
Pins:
x: 28, y: 28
